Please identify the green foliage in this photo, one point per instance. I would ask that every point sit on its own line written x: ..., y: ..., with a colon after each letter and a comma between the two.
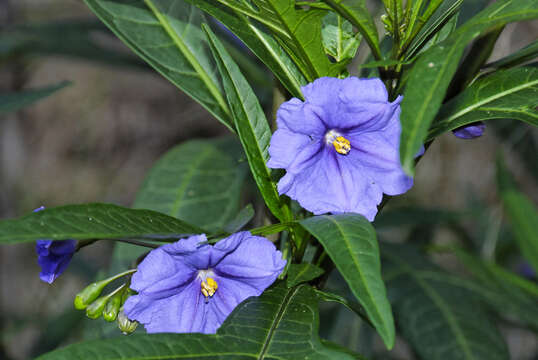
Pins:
x: 523, y: 55
x: 432, y: 72
x: 92, y: 221
x: 522, y: 213
x: 15, y: 101
x: 351, y: 243
x: 199, y: 181
x: 338, y: 38
x: 251, y: 124
x: 440, y: 320
x: 504, y: 94
x: 300, y: 273
x: 259, y: 328
x: 167, y: 35
x: 297, y: 31
x: 357, y: 14
x: 260, y: 42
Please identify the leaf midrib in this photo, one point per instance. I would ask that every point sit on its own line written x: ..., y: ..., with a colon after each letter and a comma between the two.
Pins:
x: 490, y: 99
x: 189, y: 56
x: 355, y: 261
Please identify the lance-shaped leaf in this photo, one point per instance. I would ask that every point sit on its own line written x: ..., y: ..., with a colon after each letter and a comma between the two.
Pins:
x: 522, y: 213
x: 92, y: 221
x: 506, y: 94
x: 251, y: 125
x: 434, y: 69
x: 439, y: 319
x: 357, y: 14
x: 259, y: 328
x: 525, y: 54
x: 351, y: 243
x: 260, y: 42
x: 15, y: 101
x: 297, y: 30
x: 167, y: 35
x: 198, y: 181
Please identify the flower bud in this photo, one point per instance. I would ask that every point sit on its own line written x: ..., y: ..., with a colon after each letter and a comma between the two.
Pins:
x: 89, y: 294
x: 112, y: 307
x: 126, y: 326
x: 95, y: 309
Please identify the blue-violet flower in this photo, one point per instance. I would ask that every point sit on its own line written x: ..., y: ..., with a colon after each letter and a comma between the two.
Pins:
x: 53, y: 256
x: 340, y: 147
x: 191, y: 286
x: 470, y: 131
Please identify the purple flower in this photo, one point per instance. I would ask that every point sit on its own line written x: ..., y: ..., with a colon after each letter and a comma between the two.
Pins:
x: 470, y: 131
x: 189, y: 286
x: 340, y: 147
x: 53, y: 256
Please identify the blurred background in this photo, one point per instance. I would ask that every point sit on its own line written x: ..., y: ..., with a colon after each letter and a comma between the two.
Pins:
x: 94, y: 140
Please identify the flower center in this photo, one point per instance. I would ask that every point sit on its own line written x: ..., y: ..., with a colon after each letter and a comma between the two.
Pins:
x: 208, y: 286
x: 340, y: 143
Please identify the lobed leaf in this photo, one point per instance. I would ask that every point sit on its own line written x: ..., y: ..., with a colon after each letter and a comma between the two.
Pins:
x: 511, y: 93
x: 350, y: 242
x: 167, y: 35
x: 92, y: 221
x: 15, y: 101
x: 251, y: 125
x: 432, y: 72
x: 259, y: 328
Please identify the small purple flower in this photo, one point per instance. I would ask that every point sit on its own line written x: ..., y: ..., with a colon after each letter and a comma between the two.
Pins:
x: 53, y: 256
x: 470, y: 131
x: 340, y: 147
x: 189, y: 286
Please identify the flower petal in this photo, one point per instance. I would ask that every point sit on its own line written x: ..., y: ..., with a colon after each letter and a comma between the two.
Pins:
x: 182, y: 313
x: 470, y: 131
x: 285, y: 145
x: 255, y: 260
x: 300, y: 117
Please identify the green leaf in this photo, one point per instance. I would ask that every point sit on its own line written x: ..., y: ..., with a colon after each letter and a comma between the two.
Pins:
x: 240, y: 220
x: 260, y: 42
x: 167, y: 35
x: 440, y: 320
x: 79, y: 39
x: 524, y: 54
x: 432, y: 72
x: 505, y: 94
x: 300, y: 273
x: 92, y: 221
x: 251, y: 125
x: 351, y: 243
x: 338, y: 38
x: 298, y: 32
x: 15, y: 101
x: 199, y: 181
x: 357, y: 14
x: 259, y: 328
x: 416, y: 216
x: 505, y: 292
x: 353, y: 306
x: 522, y: 213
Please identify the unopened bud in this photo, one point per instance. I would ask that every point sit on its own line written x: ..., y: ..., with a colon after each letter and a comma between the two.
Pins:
x: 95, y: 309
x: 112, y: 307
x: 89, y: 294
x: 126, y: 326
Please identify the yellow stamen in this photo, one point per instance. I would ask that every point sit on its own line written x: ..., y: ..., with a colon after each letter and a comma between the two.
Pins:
x: 342, y: 145
x: 208, y: 287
